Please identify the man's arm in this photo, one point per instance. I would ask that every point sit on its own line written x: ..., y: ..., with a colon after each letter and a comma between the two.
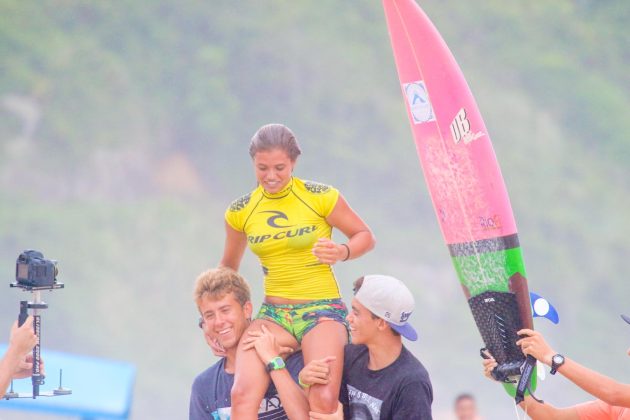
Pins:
x: 546, y: 411
x: 533, y: 408
x: 294, y: 401
x: 8, y: 365
x: 596, y: 384
x: 22, y: 340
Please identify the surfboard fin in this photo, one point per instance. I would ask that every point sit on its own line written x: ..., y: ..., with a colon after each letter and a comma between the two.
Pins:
x: 542, y: 308
x: 540, y: 370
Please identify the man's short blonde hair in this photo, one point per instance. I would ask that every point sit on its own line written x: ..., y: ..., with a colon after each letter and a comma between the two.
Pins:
x: 218, y: 282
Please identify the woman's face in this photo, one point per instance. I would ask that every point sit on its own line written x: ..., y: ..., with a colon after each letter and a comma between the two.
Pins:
x: 273, y: 169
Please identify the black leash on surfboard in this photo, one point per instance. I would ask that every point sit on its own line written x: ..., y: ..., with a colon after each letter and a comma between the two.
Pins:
x: 523, y: 385
x: 524, y: 381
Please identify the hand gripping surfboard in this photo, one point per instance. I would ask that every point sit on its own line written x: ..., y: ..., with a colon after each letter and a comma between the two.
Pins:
x: 468, y: 193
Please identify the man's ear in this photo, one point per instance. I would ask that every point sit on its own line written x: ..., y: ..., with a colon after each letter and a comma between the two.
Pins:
x: 247, y: 309
x: 382, y: 324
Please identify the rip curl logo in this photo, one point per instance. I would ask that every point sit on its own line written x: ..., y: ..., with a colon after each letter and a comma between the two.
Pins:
x: 460, y: 129
x: 404, y: 316
x: 291, y: 233
x: 272, y: 221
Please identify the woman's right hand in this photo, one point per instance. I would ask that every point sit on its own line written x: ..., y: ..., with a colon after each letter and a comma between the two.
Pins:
x: 217, y: 349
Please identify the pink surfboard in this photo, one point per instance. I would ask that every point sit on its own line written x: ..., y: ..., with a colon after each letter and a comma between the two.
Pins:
x: 467, y: 190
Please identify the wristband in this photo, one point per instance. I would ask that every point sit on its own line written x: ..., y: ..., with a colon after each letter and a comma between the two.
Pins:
x: 275, y: 364
x: 302, y: 384
x: 347, y: 256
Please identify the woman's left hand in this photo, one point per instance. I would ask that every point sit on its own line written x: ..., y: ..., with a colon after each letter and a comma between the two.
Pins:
x: 328, y: 252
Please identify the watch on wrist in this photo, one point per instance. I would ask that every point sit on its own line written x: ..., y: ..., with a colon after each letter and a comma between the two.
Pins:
x: 275, y: 364
x: 556, y: 361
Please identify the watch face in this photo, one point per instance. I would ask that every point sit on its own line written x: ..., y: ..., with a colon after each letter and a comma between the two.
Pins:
x: 557, y: 359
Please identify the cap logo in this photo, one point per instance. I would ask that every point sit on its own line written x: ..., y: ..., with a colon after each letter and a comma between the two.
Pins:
x: 388, y: 315
x: 404, y: 316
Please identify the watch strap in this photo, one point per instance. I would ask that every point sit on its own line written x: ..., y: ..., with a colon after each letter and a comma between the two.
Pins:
x: 554, y: 365
x: 275, y: 364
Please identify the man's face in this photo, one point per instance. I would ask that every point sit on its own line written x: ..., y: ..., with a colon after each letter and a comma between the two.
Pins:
x: 363, y: 326
x: 224, y: 319
x: 466, y: 409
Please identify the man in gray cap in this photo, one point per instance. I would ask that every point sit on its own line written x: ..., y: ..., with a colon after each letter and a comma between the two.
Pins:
x: 381, y: 378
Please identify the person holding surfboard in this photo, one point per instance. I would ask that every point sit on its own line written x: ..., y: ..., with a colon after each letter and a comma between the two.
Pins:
x: 613, y: 398
x: 287, y: 222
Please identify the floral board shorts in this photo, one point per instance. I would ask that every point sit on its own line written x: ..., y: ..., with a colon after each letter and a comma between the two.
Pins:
x: 300, y: 318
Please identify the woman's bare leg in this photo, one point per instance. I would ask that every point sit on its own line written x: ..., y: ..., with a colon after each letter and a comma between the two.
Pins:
x: 250, y: 378
x: 328, y: 338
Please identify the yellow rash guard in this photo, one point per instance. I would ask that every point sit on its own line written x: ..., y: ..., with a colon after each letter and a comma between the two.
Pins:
x: 281, y: 230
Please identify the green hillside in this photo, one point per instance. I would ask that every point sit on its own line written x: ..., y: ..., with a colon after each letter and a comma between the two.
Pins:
x: 123, y: 136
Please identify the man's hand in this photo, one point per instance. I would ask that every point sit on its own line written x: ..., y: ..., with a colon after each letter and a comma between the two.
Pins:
x: 316, y: 371
x: 25, y: 368
x: 534, y: 344
x: 265, y: 344
x: 23, y: 338
x: 488, y: 365
x: 337, y: 415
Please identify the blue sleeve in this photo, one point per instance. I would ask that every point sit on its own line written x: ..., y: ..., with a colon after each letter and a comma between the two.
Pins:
x: 198, y: 409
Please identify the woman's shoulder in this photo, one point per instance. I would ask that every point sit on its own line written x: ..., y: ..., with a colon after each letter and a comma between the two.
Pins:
x: 243, y: 201
x: 313, y: 187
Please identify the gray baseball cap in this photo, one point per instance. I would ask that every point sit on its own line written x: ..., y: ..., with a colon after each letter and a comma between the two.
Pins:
x: 389, y: 299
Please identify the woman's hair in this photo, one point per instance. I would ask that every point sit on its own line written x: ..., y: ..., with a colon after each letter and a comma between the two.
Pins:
x: 218, y: 282
x: 275, y: 136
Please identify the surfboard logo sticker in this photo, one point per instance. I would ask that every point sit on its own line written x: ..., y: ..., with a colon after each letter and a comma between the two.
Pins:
x: 419, y: 103
x: 460, y: 129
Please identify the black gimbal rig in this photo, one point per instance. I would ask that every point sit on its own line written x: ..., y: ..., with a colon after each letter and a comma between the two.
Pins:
x: 33, y: 273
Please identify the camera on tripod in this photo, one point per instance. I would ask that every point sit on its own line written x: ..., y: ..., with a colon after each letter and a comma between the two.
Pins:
x: 32, y: 270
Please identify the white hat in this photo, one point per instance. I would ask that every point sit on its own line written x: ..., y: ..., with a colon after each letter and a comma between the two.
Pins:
x: 389, y: 299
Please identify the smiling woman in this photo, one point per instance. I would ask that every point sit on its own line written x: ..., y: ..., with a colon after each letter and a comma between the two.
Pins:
x: 287, y: 222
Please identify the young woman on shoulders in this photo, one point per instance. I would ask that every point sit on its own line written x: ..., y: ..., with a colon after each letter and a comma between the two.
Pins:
x: 288, y: 222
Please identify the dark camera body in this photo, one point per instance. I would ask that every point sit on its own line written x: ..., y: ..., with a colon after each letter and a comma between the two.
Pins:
x: 33, y: 270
